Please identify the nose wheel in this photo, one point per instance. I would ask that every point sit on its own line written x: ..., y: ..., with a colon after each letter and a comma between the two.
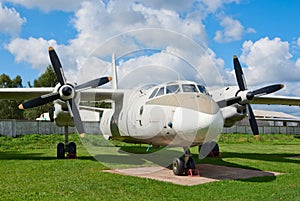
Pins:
x: 184, y: 165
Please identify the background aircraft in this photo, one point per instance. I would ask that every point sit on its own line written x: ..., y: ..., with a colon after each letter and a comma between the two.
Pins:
x: 179, y: 113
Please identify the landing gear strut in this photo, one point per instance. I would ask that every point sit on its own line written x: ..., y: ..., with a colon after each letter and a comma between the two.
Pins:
x: 69, y: 148
x: 181, y: 166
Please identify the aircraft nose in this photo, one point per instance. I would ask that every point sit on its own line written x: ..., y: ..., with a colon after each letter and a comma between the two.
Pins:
x: 198, y: 120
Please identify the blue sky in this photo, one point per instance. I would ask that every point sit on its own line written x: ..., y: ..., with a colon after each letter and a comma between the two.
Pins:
x: 269, y: 19
x: 264, y: 34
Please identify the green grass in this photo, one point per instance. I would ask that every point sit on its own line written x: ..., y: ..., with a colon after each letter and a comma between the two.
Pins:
x: 29, y: 171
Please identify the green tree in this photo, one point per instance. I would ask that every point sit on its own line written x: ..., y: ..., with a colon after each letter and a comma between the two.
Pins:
x: 9, y: 108
x: 47, y: 79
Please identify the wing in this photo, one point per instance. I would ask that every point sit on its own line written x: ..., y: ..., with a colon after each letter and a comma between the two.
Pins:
x: 277, y: 100
x: 98, y: 94
x: 23, y: 93
x: 279, y: 119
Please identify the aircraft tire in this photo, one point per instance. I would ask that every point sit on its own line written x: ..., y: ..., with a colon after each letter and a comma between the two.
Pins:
x: 191, y: 163
x: 216, y: 151
x: 60, y: 150
x: 51, y: 114
x: 72, y: 148
x: 178, y: 166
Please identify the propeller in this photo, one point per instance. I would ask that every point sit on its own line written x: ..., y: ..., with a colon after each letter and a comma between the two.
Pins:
x: 247, y: 96
x: 65, y: 91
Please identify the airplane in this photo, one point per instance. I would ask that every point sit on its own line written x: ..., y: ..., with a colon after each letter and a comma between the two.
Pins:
x: 178, y: 113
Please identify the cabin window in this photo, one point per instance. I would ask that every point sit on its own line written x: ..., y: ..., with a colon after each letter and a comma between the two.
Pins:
x: 172, y: 89
x: 189, y: 88
x: 202, y: 89
x: 161, y: 91
x: 153, y: 93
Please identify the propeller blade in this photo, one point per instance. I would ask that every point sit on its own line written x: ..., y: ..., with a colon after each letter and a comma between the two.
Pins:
x: 239, y: 73
x: 267, y: 89
x: 39, y: 101
x: 94, y: 83
x: 76, y: 116
x: 252, y: 120
x: 57, y: 66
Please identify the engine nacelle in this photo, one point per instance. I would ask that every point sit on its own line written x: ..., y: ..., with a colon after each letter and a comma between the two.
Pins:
x: 232, y: 114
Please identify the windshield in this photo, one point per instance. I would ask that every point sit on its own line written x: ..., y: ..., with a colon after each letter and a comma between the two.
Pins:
x: 189, y: 88
x: 172, y: 89
x: 202, y: 89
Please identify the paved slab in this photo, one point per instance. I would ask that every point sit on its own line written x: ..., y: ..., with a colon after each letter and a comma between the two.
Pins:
x: 208, y: 173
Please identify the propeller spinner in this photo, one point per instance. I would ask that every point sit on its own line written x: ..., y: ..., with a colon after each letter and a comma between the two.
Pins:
x: 66, y: 91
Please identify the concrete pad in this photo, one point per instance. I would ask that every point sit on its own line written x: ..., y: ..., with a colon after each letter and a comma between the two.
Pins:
x: 208, y: 173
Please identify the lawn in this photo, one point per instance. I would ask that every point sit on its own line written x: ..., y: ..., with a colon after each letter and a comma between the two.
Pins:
x: 30, y: 171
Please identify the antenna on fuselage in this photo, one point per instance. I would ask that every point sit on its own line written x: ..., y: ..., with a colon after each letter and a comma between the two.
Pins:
x: 114, y: 72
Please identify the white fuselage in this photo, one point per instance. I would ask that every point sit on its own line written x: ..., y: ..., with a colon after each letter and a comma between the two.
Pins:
x: 160, y: 117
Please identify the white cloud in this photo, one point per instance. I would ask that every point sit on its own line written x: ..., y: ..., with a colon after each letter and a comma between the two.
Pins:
x: 269, y: 61
x: 177, y: 5
x: 49, y: 5
x: 212, y: 6
x: 98, y: 22
x: 176, y: 55
x: 32, y: 51
x: 298, y: 62
x: 10, y: 20
x: 233, y: 30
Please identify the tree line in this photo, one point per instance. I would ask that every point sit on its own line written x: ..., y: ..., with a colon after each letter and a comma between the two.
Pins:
x: 9, y: 108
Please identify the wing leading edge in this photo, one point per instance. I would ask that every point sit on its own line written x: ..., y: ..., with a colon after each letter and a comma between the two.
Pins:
x: 23, y: 93
x: 29, y: 93
x: 277, y: 100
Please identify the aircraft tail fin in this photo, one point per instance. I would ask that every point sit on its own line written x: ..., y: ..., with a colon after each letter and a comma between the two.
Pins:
x: 114, y: 72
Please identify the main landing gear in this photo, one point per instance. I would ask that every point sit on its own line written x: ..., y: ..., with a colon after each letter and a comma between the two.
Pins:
x: 69, y: 148
x: 185, y: 164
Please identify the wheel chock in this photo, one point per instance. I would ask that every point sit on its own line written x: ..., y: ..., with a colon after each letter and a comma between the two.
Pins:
x: 194, y: 173
x: 71, y: 156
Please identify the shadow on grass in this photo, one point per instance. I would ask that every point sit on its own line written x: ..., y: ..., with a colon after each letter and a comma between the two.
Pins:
x: 15, y: 155
x: 138, y: 156
x: 260, y: 179
x: 282, y: 158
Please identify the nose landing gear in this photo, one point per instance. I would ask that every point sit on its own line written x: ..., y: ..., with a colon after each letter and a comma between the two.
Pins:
x: 184, y: 165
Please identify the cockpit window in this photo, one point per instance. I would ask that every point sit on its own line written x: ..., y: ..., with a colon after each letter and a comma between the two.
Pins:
x: 161, y: 91
x: 153, y: 93
x: 172, y: 89
x: 202, y: 89
x: 189, y: 88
